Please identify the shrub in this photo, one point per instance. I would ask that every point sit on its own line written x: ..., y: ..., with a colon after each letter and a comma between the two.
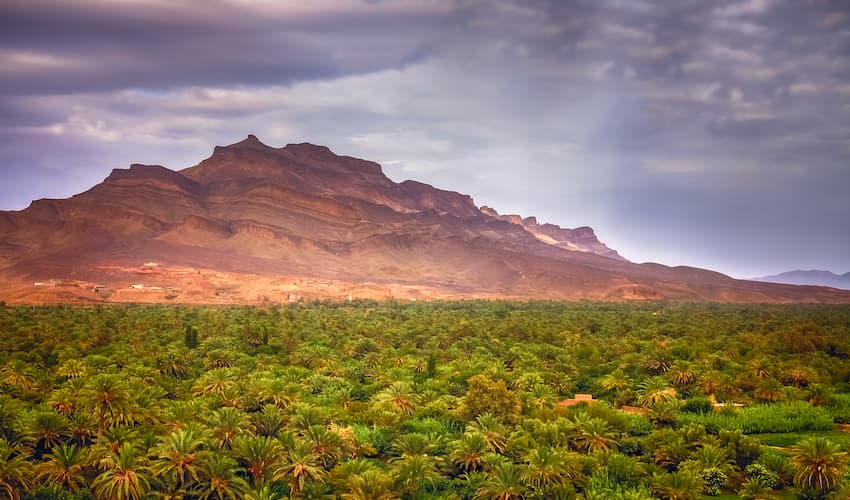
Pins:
x: 713, y: 479
x: 698, y: 404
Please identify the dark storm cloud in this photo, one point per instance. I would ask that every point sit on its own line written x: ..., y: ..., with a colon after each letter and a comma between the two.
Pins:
x: 66, y: 47
x: 692, y: 132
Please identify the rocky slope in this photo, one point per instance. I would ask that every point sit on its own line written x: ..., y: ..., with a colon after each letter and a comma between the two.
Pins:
x: 256, y: 223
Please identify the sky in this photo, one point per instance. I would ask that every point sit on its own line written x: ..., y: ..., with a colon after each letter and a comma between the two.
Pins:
x: 710, y: 133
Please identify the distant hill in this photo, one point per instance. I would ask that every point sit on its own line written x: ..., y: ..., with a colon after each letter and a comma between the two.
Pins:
x: 256, y: 224
x: 814, y: 277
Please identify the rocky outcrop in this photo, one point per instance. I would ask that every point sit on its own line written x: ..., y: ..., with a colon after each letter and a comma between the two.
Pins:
x: 580, y: 239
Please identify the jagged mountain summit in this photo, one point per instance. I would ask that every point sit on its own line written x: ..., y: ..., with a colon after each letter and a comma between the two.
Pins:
x: 257, y: 223
x: 810, y: 277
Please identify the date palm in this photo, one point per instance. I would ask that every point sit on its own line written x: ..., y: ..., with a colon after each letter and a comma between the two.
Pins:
x: 261, y: 456
x: 769, y: 390
x: 72, y: 368
x: 218, y: 479
x: 594, y: 434
x: 655, y: 390
x: 504, y: 482
x: 16, y: 474
x: 109, y: 400
x: 19, y: 374
x: 81, y: 428
x: 369, y: 485
x: 550, y: 468
x: 214, y: 382
x: 64, y: 467
x: 713, y: 456
x: 411, y: 444
x: 115, y: 437
x: 615, y: 381
x: 305, y: 416
x: 819, y: 464
x: 658, y: 362
x: 125, y: 478
x: 413, y: 473
x: 679, y: 485
x: 398, y: 396
x: 467, y: 453
x: 681, y: 374
x: 177, y: 457
x: 46, y: 429
x: 325, y: 444
x: 269, y: 422
x: 299, y: 465
x: 64, y: 400
x: 226, y: 424
x: 492, y: 429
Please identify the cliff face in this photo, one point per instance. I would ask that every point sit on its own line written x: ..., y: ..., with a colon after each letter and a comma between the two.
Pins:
x: 253, y: 220
x: 580, y: 239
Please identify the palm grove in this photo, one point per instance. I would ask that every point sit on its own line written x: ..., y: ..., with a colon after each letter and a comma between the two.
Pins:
x: 383, y: 400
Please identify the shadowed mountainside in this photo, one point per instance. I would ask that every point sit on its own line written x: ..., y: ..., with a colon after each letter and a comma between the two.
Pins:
x: 253, y: 222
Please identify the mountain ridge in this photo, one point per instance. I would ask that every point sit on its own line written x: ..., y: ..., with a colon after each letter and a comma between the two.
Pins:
x: 256, y: 222
x: 815, y: 277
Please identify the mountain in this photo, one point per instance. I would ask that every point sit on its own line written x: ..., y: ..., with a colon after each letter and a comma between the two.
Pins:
x: 254, y: 223
x: 814, y: 277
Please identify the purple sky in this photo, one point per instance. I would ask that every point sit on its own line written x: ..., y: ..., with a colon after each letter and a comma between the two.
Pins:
x: 707, y: 133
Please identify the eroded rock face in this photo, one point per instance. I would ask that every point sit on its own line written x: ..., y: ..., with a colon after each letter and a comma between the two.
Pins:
x: 252, y: 217
x: 580, y: 239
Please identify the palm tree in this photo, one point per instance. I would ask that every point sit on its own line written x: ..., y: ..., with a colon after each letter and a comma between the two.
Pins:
x: 16, y: 473
x: 710, y: 382
x: 415, y: 472
x: 227, y: 423
x: 269, y: 422
x: 819, y: 464
x: 108, y: 398
x: 19, y: 374
x: 218, y: 480
x: 414, y: 443
x: 325, y: 444
x: 681, y: 373
x: 467, y: 453
x: 178, y: 455
x: 81, y: 428
x: 679, y: 485
x: 46, y: 429
x: 305, y: 416
x: 713, y: 456
x: 213, y: 382
x: 125, y: 477
x: 114, y: 437
x: 616, y: 381
x: 550, y: 468
x: 769, y: 390
x: 398, y: 396
x: 658, y: 361
x: 299, y: 466
x: 504, y: 482
x: 594, y: 434
x: 492, y: 429
x: 64, y: 467
x: 369, y: 485
x: 655, y: 390
x: 260, y: 455
x: 72, y: 368
x: 798, y: 376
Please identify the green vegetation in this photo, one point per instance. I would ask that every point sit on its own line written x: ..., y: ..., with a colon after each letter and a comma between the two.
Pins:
x: 453, y: 400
